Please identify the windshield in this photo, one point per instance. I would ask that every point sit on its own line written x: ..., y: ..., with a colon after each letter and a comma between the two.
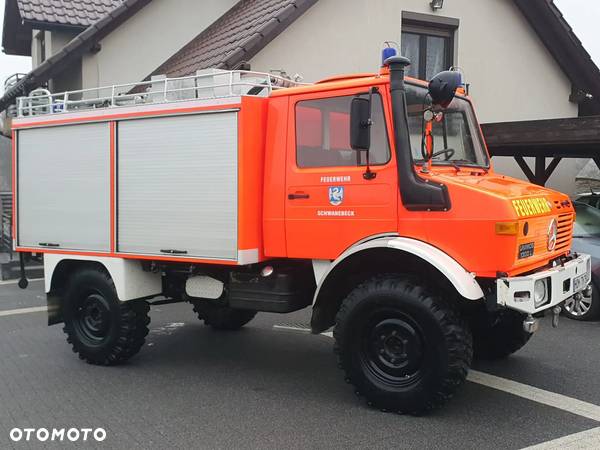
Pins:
x: 587, y: 221
x: 455, y: 134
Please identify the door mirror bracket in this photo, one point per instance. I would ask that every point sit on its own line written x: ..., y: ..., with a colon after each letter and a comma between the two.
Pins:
x: 360, y: 128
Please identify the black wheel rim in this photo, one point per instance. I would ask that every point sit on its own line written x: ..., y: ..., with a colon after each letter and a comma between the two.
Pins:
x: 93, y: 318
x: 392, y: 349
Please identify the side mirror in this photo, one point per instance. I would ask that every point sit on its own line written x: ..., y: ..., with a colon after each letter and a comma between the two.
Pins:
x: 442, y: 88
x: 360, y: 124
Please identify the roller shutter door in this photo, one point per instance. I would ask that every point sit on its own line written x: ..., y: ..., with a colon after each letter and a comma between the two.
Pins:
x: 177, y: 186
x: 63, y: 187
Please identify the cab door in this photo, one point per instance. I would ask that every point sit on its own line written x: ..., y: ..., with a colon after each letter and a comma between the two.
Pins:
x: 330, y: 204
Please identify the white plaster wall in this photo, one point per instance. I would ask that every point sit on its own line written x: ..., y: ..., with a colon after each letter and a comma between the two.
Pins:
x: 149, y: 38
x: 512, y: 75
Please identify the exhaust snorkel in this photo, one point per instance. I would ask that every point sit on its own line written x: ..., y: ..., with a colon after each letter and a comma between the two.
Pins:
x: 416, y: 193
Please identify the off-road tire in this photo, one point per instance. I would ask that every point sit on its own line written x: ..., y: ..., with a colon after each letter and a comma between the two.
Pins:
x: 498, y: 335
x: 221, y: 317
x: 431, y: 341
x: 101, y: 329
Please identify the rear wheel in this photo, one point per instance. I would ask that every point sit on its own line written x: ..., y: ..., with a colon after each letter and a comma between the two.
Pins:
x: 221, y: 317
x: 498, y: 335
x: 402, y: 346
x: 101, y: 329
x: 586, y: 308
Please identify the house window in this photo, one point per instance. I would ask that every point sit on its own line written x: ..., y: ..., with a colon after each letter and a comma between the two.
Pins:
x: 429, y: 48
x: 323, y: 133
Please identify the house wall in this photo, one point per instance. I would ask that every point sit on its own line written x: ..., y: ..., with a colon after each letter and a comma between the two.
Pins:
x: 55, y: 41
x: 70, y: 78
x: 149, y: 38
x: 512, y: 75
x: 36, y: 58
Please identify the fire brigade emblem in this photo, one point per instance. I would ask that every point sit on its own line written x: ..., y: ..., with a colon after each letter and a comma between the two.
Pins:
x: 336, y: 195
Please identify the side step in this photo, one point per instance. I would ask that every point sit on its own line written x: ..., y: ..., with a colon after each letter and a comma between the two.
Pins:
x: 284, y: 290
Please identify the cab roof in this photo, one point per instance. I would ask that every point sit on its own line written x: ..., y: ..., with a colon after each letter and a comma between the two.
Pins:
x: 344, y: 81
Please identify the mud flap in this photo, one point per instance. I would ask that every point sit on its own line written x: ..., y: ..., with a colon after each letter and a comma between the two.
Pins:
x: 54, y: 309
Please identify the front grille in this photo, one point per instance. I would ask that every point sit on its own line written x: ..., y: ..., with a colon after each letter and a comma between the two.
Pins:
x: 565, y: 232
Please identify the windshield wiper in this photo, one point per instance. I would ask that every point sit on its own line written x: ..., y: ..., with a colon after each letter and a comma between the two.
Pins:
x: 460, y: 163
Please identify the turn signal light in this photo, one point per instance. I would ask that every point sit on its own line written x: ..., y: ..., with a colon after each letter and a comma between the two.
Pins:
x: 507, y: 228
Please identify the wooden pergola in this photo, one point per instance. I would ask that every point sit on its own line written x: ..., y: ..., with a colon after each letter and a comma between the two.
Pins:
x: 577, y: 137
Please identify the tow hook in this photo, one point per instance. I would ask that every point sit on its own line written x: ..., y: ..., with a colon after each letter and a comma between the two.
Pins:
x: 587, y: 292
x: 530, y: 324
x: 555, y: 315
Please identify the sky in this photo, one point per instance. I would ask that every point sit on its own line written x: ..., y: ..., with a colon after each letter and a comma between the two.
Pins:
x: 583, y: 15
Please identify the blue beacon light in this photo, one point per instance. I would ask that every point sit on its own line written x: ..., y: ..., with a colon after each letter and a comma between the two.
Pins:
x: 388, y: 52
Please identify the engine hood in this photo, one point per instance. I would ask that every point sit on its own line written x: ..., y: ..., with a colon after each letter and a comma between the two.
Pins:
x: 499, y: 185
x: 479, y: 201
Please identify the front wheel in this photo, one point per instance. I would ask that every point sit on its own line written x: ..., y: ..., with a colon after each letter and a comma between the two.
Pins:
x: 402, y: 346
x: 102, y: 329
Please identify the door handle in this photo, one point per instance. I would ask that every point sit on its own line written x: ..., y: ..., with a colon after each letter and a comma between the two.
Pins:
x: 48, y: 244
x: 174, y: 252
x: 298, y: 195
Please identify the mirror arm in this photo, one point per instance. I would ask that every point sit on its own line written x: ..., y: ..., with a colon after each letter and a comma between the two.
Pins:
x: 369, y: 175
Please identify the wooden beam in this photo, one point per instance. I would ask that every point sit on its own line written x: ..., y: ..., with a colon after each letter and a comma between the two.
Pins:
x: 540, y: 170
x: 550, y: 169
x: 525, y: 168
x: 542, y: 173
x: 577, y: 137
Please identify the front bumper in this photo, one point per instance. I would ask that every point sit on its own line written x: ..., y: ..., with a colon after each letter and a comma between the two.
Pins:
x: 518, y: 292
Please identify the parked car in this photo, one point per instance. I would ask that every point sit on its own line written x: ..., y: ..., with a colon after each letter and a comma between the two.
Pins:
x: 590, y: 198
x: 586, y: 239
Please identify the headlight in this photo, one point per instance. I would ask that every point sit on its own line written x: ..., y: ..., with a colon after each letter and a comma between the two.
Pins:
x: 540, y: 292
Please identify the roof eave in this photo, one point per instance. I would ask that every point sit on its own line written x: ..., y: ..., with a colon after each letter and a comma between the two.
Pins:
x: 253, y: 45
x: 562, y: 43
x: 53, y: 26
x: 16, y: 36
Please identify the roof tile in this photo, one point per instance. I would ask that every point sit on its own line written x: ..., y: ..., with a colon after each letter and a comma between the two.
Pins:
x: 239, y: 32
x: 80, y: 13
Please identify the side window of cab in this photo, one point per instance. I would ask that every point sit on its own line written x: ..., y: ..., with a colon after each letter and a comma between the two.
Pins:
x: 323, y: 134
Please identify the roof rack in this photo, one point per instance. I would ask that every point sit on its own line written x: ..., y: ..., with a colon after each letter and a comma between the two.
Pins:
x: 206, y: 84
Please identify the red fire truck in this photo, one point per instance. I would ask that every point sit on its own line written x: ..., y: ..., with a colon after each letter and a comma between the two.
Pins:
x: 369, y: 198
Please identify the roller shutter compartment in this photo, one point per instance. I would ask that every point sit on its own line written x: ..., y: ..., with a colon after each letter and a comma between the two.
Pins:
x: 177, y: 186
x: 63, y: 187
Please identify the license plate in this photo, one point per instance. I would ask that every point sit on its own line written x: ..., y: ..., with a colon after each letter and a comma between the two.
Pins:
x: 526, y: 250
x: 579, y: 283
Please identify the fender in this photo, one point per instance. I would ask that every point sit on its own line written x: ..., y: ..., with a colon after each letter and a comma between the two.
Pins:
x: 131, y: 282
x: 463, y: 281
